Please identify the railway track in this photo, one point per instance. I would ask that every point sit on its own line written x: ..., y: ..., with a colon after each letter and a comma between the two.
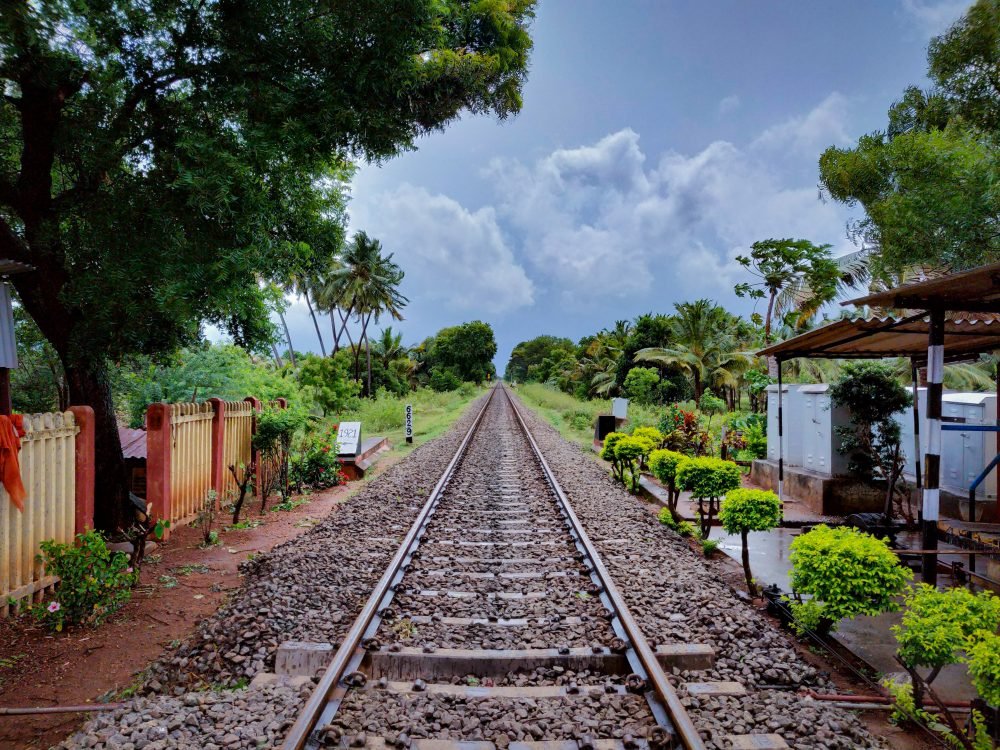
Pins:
x: 496, y: 623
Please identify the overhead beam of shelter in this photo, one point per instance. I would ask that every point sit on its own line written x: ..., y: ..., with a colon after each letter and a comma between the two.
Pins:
x: 977, y: 290
x: 965, y: 338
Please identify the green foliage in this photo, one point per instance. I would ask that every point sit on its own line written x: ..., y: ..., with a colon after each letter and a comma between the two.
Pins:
x: 709, y: 546
x: 706, y: 343
x: 38, y: 383
x: 276, y: 427
x: 937, y: 625
x: 329, y: 381
x: 746, y: 510
x: 444, y: 380
x: 846, y: 572
x: 641, y: 385
x: 983, y: 661
x: 778, y: 264
x: 683, y: 432
x: 663, y: 464
x: 211, y: 370
x: 707, y: 477
x: 873, y: 395
x: 709, y: 403
x: 964, y: 62
x: 314, y: 464
x: 536, y: 361
x: 466, y: 350
x: 93, y: 581
x: 927, y: 183
x: 630, y: 454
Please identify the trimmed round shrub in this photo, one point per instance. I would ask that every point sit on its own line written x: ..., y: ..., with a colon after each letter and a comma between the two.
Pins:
x: 847, y: 573
x: 746, y: 510
x: 707, y: 477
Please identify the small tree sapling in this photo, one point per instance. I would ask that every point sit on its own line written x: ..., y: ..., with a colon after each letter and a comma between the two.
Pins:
x: 746, y: 510
x: 663, y: 463
x: 708, y: 479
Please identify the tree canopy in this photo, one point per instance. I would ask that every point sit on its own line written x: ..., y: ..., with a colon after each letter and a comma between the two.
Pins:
x: 159, y: 160
x: 927, y: 183
x: 465, y: 350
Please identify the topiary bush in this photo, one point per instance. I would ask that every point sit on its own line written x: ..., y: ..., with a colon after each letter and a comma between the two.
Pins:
x: 746, y: 510
x: 938, y: 627
x: 630, y: 452
x: 847, y: 573
x: 663, y: 464
x: 608, y: 454
x: 708, y: 479
x: 983, y: 661
x: 93, y: 581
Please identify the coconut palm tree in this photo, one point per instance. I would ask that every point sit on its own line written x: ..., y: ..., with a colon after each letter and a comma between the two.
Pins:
x: 706, y: 346
x: 365, y: 284
x: 388, y: 347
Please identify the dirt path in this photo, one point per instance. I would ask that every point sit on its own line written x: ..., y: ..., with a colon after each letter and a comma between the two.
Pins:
x: 181, y: 584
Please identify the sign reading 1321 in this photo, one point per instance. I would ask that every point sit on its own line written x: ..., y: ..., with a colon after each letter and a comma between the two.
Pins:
x: 349, y: 438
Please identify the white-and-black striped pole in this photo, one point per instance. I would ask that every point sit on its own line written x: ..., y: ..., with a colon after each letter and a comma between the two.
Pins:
x: 932, y: 459
x: 781, y: 439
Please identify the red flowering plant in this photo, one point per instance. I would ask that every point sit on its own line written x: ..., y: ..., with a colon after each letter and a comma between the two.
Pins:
x: 683, y: 432
x: 314, y: 465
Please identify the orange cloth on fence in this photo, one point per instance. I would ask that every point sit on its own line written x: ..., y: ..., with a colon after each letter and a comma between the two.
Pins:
x: 11, y: 432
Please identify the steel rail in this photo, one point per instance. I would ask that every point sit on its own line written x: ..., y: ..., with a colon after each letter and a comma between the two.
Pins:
x: 300, y: 734
x: 683, y: 726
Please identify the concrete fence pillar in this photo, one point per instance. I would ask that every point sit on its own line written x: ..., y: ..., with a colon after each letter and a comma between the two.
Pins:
x: 85, y: 468
x: 254, y: 458
x: 158, y: 442
x: 218, y: 448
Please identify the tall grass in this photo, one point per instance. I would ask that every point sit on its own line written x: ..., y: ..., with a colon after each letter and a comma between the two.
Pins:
x: 433, y: 413
x: 575, y: 419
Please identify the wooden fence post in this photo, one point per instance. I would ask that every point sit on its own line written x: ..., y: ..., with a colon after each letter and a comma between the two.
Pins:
x: 218, y: 448
x: 254, y: 458
x: 158, y: 441
x: 85, y: 468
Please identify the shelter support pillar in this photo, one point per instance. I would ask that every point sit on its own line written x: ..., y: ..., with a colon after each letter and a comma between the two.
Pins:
x: 781, y: 439
x: 916, y: 425
x: 932, y: 459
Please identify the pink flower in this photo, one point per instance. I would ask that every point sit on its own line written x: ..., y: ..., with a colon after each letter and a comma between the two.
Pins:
x: 128, y: 569
x: 54, y: 607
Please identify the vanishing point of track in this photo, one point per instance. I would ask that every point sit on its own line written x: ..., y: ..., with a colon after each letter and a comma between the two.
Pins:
x: 495, y: 623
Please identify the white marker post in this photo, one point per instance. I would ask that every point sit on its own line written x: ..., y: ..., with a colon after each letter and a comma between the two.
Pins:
x: 349, y: 439
x: 409, y: 423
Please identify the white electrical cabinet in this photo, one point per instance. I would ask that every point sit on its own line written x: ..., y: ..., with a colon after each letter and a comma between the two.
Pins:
x: 964, y: 453
x: 819, y: 420
x: 810, y: 423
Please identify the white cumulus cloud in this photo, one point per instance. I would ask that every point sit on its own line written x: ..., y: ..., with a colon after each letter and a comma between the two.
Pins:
x: 452, y: 256
x: 824, y: 125
x: 935, y: 16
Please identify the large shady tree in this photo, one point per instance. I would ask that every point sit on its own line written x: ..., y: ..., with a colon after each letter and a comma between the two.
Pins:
x: 155, y: 157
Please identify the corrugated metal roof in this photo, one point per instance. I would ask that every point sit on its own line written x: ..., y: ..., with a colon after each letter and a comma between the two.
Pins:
x: 976, y: 290
x: 965, y: 338
x: 133, y: 442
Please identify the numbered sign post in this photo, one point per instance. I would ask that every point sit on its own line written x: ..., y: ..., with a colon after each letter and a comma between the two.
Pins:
x: 349, y: 439
x: 409, y: 423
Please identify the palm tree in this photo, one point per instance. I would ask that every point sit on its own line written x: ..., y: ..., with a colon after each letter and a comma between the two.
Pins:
x: 388, y: 347
x: 706, y: 346
x: 365, y: 284
x: 306, y: 287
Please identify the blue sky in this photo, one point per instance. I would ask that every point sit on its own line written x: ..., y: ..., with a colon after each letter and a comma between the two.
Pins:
x: 658, y: 139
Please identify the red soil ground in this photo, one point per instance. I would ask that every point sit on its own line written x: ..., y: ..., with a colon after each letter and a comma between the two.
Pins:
x: 88, y: 665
